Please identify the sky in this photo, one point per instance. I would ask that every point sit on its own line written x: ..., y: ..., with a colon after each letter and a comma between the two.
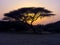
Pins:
x: 52, y: 5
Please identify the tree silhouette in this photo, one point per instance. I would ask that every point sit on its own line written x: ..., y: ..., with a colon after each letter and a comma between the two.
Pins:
x: 29, y: 14
x: 8, y: 19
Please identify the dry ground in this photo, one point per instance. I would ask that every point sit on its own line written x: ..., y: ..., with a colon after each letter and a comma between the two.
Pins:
x: 29, y: 39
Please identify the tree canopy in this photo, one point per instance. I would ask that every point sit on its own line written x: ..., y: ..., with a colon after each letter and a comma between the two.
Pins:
x: 29, y: 14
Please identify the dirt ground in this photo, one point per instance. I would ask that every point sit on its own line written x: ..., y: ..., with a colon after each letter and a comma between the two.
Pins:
x: 29, y: 39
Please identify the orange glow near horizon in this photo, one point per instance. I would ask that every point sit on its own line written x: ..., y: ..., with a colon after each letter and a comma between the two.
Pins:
x: 42, y: 21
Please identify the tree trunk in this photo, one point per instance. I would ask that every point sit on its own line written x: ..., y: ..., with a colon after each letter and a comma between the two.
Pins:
x: 33, y: 28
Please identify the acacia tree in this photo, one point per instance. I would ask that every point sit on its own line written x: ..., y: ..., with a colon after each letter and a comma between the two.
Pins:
x: 30, y: 14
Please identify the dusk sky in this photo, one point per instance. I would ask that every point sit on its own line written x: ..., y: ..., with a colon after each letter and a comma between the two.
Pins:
x: 53, y: 5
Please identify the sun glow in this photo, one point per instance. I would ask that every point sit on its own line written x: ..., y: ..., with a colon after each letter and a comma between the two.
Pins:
x: 30, y: 21
x: 42, y: 20
x: 31, y: 14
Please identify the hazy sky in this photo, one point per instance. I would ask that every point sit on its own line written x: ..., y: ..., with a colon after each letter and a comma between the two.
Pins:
x: 53, y: 5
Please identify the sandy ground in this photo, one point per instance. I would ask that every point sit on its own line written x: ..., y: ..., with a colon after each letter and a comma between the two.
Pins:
x: 29, y: 39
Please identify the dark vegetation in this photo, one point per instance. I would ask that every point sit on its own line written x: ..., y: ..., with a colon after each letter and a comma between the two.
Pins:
x: 17, y: 20
x: 13, y: 26
x: 23, y: 27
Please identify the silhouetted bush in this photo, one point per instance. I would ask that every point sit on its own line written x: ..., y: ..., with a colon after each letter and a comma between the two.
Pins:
x: 13, y: 26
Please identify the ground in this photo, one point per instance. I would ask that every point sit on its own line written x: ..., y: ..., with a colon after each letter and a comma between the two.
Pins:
x: 29, y: 39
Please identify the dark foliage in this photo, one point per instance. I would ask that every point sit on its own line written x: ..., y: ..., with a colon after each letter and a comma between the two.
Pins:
x: 18, y: 13
x: 18, y: 26
x: 13, y: 26
x: 22, y: 15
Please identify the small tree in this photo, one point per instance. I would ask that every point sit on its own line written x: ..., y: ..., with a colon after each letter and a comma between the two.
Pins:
x: 30, y: 14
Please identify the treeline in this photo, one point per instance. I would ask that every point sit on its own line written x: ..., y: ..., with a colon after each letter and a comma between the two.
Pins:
x: 13, y: 26
x: 17, y: 26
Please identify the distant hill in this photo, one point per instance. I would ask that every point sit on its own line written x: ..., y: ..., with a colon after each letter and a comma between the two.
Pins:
x: 53, y: 27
